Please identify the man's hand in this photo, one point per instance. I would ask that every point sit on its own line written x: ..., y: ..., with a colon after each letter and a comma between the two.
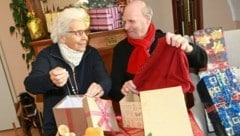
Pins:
x: 178, y: 41
x: 129, y: 87
x: 59, y: 76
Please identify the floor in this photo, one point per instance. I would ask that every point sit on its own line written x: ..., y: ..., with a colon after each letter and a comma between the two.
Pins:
x: 18, y: 132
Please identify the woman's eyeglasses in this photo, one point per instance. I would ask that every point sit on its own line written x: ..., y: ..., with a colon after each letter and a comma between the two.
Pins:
x: 80, y: 32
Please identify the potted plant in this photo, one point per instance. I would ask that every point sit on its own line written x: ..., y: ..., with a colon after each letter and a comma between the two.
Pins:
x: 20, y: 16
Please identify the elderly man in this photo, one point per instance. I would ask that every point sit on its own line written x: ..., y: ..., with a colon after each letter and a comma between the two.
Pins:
x: 142, y: 38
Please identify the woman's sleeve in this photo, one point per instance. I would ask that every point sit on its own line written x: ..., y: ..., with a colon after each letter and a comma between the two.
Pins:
x: 117, y: 75
x: 38, y: 81
x: 101, y: 74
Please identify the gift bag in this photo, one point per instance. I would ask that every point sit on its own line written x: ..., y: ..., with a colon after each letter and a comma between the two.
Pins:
x: 131, y: 111
x: 164, y: 112
x: 99, y: 113
x: 69, y: 111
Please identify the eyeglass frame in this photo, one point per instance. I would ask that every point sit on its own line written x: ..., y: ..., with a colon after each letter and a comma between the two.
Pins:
x: 80, y: 32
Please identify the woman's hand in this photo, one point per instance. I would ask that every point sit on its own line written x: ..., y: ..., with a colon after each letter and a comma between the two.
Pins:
x: 59, y: 76
x: 95, y: 90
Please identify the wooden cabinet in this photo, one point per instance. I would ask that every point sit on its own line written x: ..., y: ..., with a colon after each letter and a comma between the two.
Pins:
x: 187, y: 15
x: 104, y: 41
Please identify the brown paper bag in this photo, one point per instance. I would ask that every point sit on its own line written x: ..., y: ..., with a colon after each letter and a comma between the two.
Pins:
x: 69, y: 111
x: 99, y: 113
x: 164, y: 112
x: 131, y: 111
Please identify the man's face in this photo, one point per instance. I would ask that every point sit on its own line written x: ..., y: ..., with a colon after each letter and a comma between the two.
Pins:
x: 77, y: 38
x: 135, y: 23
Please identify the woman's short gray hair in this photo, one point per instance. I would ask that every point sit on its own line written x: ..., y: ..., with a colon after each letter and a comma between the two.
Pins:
x: 62, y: 23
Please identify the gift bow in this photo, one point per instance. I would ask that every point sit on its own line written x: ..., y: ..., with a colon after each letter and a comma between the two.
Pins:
x: 104, y: 113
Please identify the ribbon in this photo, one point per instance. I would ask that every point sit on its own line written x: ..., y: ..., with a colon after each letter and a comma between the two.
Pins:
x: 236, y: 97
x: 214, y: 107
x: 195, y: 127
x: 104, y: 113
x: 125, y: 131
x: 69, y: 120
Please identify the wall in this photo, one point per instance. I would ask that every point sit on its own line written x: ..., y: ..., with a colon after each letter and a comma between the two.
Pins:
x: 162, y: 16
x: 238, y: 24
x: 214, y: 15
x: 12, y: 49
x: 217, y: 13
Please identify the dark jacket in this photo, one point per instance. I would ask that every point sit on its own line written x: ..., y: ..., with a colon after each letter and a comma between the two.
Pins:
x: 197, y: 59
x: 91, y: 69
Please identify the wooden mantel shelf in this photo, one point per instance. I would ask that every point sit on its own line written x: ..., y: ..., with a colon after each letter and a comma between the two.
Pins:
x: 104, y: 41
x: 100, y: 40
x: 40, y: 44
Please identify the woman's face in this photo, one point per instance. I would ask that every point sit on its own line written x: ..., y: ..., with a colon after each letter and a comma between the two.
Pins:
x: 77, y: 36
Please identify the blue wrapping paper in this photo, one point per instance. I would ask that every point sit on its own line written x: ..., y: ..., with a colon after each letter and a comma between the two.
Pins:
x: 220, y: 93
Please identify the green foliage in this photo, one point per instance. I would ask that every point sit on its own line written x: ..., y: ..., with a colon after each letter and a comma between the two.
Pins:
x: 101, y: 3
x: 149, y: 134
x: 19, y: 14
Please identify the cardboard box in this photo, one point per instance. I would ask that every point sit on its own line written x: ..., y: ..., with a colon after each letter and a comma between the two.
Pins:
x: 69, y: 111
x: 99, y: 113
x: 131, y: 111
x: 164, y: 112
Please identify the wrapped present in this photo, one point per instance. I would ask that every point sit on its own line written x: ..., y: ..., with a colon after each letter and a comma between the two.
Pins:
x: 131, y: 112
x: 114, y: 25
x: 103, y: 12
x: 105, y: 18
x: 212, y: 41
x: 102, y: 21
x: 99, y: 113
x: 220, y: 93
x: 69, y: 111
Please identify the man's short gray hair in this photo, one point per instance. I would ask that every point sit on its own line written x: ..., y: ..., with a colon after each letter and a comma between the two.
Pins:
x: 147, y: 10
x: 62, y: 23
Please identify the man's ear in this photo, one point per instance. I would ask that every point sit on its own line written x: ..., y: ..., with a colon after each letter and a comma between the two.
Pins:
x: 148, y: 17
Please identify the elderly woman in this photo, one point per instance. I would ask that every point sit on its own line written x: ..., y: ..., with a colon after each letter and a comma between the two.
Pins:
x: 68, y: 67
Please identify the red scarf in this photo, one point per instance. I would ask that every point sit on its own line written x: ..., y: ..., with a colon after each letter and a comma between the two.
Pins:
x: 140, y: 53
x: 167, y: 67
